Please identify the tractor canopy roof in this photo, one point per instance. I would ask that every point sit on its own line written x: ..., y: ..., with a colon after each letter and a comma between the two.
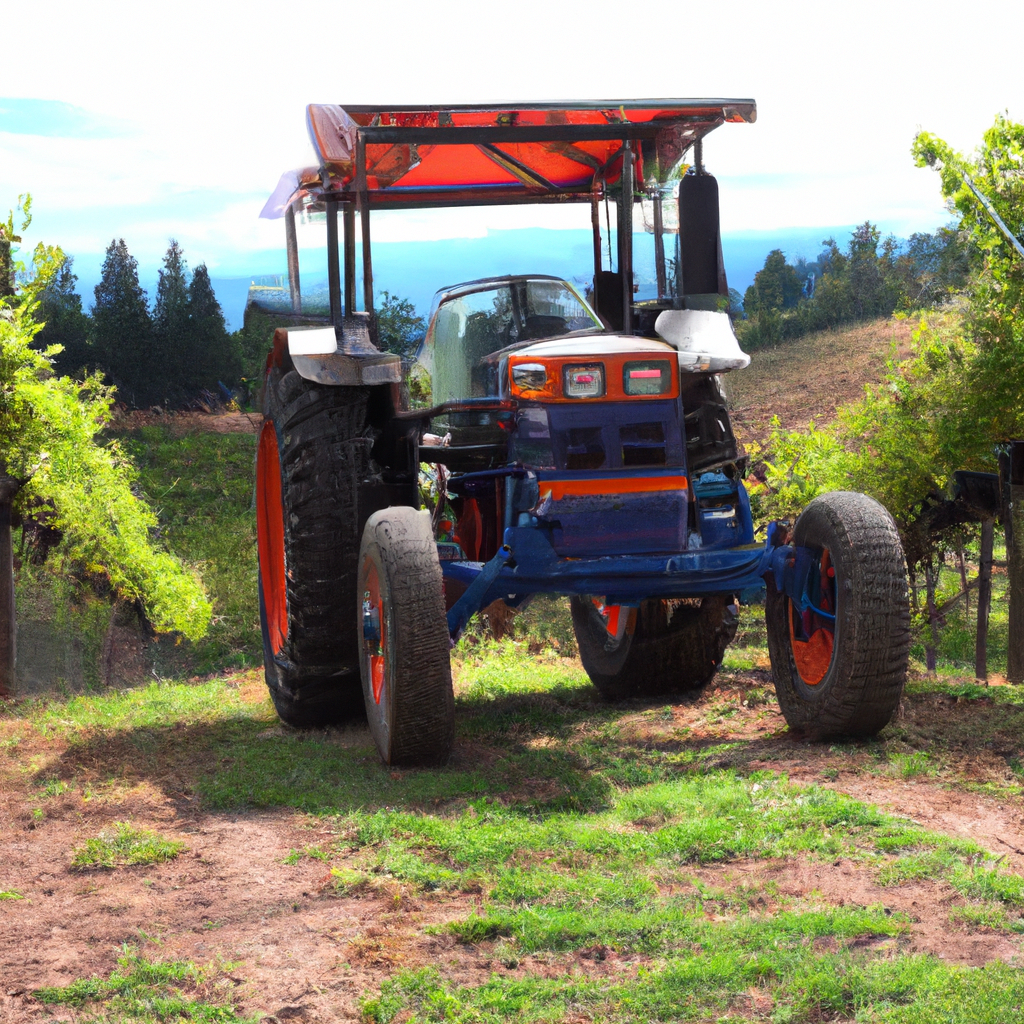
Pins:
x: 422, y: 156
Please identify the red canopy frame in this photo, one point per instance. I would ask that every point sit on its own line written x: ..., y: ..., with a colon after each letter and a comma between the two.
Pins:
x: 414, y: 157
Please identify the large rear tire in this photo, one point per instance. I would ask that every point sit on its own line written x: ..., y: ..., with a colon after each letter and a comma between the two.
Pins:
x: 843, y: 677
x: 668, y: 647
x: 404, y: 663
x: 311, y: 458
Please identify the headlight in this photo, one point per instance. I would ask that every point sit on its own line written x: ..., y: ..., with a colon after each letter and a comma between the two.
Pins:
x: 584, y: 381
x: 530, y: 376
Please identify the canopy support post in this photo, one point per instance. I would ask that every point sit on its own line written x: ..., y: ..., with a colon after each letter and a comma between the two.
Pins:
x: 595, y: 223
x: 364, y: 217
x: 625, y: 234
x: 292, y: 245
x: 348, y: 219
x: 659, y: 245
x: 333, y: 270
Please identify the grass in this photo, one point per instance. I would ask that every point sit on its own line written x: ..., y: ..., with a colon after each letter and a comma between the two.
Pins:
x: 578, y: 830
x: 149, y: 992
x: 777, y: 978
x: 10, y: 894
x: 124, y: 845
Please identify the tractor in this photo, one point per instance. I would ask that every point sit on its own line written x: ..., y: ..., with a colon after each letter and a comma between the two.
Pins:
x: 577, y: 438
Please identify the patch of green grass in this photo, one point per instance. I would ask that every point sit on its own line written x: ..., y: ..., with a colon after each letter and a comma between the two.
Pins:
x: 147, y: 993
x: 909, y: 766
x: 139, y: 709
x: 10, y: 894
x: 729, y: 976
x: 987, y: 917
x: 55, y: 787
x: 124, y: 844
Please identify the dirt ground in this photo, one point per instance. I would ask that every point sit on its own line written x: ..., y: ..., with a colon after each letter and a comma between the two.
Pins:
x: 809, y: 378
x: 303, y: 953
x: 189, y: 422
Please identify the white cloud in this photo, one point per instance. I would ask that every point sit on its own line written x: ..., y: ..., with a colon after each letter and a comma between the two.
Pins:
x: 215, y: 94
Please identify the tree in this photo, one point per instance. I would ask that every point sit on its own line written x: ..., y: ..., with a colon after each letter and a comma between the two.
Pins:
x: 209, y: 341
x: 50, y: 451
x: 776, y: 286
x: 64, y: 322
x: 934, y: 266
x: 123, y: 331
x: 173, y: 362
x: 399, y: 328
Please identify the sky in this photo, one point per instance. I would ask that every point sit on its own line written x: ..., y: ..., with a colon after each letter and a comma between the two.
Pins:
x: 149, y: 122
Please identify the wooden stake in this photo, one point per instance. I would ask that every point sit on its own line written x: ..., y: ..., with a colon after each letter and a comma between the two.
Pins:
x: 7, y: 620
x: 932, y: 643
x: 1015, y: 570
x: 988, y: 529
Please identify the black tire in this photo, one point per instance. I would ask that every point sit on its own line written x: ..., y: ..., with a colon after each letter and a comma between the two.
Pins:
x: 311, y: 458
x: 669, y: 647
x: 404, y: 664
x: 860, y: 689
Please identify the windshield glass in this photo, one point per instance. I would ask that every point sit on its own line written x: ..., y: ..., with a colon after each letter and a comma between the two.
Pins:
x: 469, y: 327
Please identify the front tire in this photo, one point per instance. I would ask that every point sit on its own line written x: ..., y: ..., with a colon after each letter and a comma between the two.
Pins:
x: 404, y: 659
x: 843, y: 677
x: 311, y: 456
x: 664, y: 648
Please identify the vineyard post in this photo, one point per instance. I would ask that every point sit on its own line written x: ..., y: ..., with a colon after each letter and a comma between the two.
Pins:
x: 988, y: 529
x: 1015, y: 563
x: 7, y: 621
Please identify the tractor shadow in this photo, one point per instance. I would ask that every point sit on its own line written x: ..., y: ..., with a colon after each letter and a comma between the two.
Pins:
x: 556, y: 751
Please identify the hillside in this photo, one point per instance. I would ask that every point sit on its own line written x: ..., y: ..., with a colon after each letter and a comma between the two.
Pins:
x: 808, y: 378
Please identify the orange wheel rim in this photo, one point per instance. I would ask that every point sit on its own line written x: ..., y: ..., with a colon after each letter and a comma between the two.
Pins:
x: 813, y: 656
x: 375, y: 631
x: 270, y: 536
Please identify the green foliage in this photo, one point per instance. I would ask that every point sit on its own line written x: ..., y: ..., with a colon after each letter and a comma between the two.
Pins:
x: 64, y: 323
x: 251, y: 344
x: 49, y: 428
x: 123, y: 845
x: 990, y: 409
x: 171, y: 359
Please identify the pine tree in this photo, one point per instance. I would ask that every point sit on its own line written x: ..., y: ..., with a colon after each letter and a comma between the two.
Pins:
x: 123, y: 331
x: 213, y: 357
x: 174, y: 358
x: 64, y: 322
